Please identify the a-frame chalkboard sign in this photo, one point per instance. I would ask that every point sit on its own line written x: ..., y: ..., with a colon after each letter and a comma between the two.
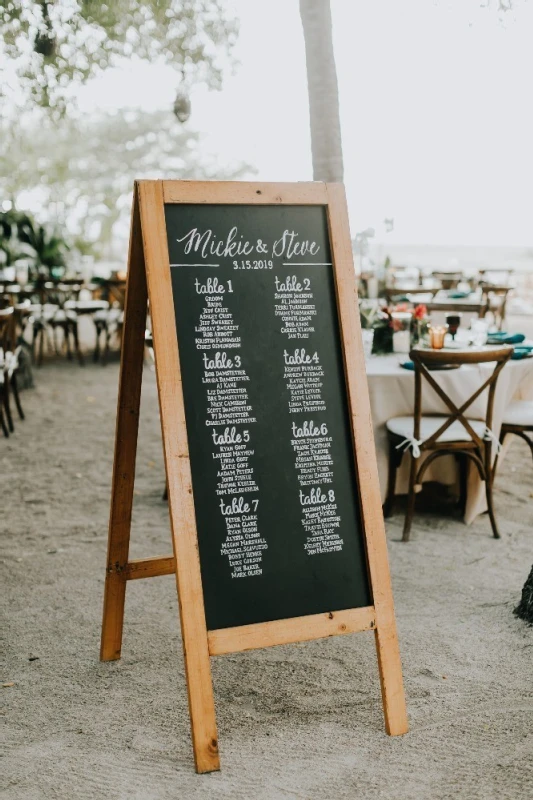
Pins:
x: 275, y: 508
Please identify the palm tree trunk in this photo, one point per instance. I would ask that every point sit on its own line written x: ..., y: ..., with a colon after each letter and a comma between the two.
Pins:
x: 326, y: 142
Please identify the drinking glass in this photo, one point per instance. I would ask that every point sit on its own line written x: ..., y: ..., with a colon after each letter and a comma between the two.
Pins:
x: 436, y: 336
x: 453, y: 320
x: 401, y: 337
x: 479, y: 332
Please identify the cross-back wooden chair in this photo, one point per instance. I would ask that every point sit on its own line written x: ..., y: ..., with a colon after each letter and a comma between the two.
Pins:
x: 23, y: 316
x: 109, y: 322
x: 497, y: 276
x: 66, y: 317
x: 9, y: 354
x: 518, y: 421
x: 6, y: 316
x: 439, y: 434
x: 448, y: 280
x: 495, y: 300
x: 53, y: 313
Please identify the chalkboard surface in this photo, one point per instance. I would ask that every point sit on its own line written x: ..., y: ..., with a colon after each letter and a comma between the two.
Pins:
x: 274, y: 483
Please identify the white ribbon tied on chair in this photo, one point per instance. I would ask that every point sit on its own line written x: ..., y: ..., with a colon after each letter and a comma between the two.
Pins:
x: 411, y: 442
x: 414, y: 444
x: 490, y: 436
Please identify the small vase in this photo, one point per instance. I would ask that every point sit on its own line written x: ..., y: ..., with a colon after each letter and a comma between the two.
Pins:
x: 382, y: 343
x: 420, y: 332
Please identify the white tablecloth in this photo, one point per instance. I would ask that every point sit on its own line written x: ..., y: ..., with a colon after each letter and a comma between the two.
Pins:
x: 392, y: 395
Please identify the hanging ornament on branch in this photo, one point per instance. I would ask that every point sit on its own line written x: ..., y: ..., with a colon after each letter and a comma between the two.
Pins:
x: 182, y: 105
x: 45, y: 38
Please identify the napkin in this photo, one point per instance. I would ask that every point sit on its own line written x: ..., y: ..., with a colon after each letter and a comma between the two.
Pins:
x: 522, y: 352
x: 454, y: 294
x: 437, y: 367
x: 502, y: 337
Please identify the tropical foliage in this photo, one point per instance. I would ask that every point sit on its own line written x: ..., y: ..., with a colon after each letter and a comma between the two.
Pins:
x: 75, y: 171
x: 24, y: 240
x: 80, y: 172
x: 50, y: 46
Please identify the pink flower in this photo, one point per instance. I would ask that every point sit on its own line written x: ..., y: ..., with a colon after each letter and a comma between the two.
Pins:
x: 420, y: 311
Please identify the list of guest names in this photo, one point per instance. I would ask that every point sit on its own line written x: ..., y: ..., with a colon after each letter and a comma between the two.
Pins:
x: 230, y: 418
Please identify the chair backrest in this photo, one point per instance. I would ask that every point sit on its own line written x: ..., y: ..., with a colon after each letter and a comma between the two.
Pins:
x: 448, y: 280
x: 7, y: 329
x: 394, y: 294
x: 424, y: 359
x: 406, y: 274
x: 500, y: 277
x: 489, y: 292
x: 492, y: 288
x: 58, y: 293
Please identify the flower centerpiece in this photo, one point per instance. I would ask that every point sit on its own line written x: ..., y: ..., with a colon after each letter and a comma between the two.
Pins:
x: 379, y: 320
x: 420, y: 325
x: 402, y: 320
x: 386, y: 321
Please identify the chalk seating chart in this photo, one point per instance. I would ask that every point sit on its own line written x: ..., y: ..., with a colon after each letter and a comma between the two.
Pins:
x: 264, y: 402
x: 274, y: 483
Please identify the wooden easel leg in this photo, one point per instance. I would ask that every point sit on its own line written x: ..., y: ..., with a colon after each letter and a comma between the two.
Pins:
x: 129, y: 396
x: 390, y: 676
x: 179, y: 482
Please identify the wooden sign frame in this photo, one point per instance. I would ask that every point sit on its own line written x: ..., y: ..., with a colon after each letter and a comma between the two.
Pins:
x: 149, y: 278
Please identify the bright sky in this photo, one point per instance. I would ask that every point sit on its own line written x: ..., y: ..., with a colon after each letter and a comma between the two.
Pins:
x: 437, y: 118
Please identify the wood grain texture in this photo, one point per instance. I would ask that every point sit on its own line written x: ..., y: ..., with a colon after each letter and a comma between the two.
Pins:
x: 149, y: 272
x: 287, y: 631
x: 365, y: 456
x: 227, y: 192
x: 474, y: 306
x: 150, y: 567
x: 179, y: 482
x: 478, y: 355
x: 129, y: 396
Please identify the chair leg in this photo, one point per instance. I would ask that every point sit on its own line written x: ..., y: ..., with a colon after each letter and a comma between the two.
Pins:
x: 96, y: 354
x: 523, y: 435
x: 463, y: 482
x: 7, y: 407
x: 411, y: 497
x: 41, y: 347
x: 27, y: 370
x: 488, y: 490
x: 503, y: 434
x: 106, y: 346
x: 37, y: 344
x: 3, y: 424
x: 34, y: 343
x: 24, y: 365
x: 66, y: 340
x: 77, y: 343
x: 50, y: 339
x: 16, y: 395
x: 394, y: 463
x: 55, y: 340
x: 490, y: 505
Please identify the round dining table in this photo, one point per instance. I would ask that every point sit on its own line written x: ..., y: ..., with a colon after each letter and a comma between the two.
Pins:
x: 392, y: 392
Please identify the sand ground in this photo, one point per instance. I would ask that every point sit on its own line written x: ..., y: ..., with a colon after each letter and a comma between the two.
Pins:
x: 301, y: 721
